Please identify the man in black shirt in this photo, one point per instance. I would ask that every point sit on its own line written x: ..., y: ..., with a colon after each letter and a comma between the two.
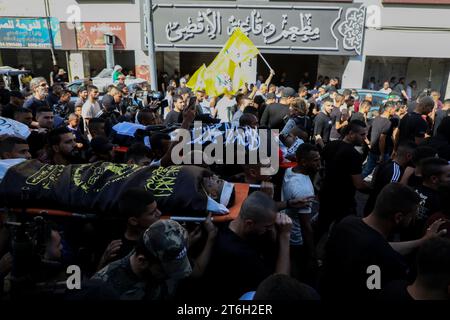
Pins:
x: 15, y: 102
x: 39, y: 87
x: 174, y: 116
x: 63, y: 107
x: 381, y: 144
x: 390, y: 171
x: 275, y: 114
x: 362, y: 113
x: 246, y: 251
x: 138, y: 207
x: 358, y: 246
x: 60, y: 148
x: 338, y: 118
x: 38, y: 137
x: 435, y: 173
x: 441, y: 141
x: 343, y: 166
x: 323, y: 123
x: 413, y: 126
x: 400, y: 89
x: 440, y: 115
x: 54, y: 94
x: 433, y: 278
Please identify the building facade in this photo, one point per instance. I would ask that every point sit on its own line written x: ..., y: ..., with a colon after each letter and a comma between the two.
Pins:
x: 354, y: 40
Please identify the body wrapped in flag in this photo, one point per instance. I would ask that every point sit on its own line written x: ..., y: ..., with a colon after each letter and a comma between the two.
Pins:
x: 96, y: 188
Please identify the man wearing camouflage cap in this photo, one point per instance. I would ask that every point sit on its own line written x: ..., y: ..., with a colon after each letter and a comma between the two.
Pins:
x: 160, y: 255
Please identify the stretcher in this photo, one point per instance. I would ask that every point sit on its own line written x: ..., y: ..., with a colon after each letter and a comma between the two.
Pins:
x: 241, y: 193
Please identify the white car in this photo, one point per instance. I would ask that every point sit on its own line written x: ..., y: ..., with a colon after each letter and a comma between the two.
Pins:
x: 104, y: 79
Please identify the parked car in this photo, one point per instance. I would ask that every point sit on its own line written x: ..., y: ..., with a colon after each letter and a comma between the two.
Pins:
x: 104, y: 79
x: 378, y: 98
x: 73, y: 88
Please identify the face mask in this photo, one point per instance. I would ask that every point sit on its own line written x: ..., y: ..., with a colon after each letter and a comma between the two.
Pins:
x: 216, y: 207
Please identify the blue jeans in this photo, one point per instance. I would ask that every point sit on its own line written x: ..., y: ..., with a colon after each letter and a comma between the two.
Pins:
x: 371, y: 163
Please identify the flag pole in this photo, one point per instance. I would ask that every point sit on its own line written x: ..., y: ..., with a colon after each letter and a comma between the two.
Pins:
x: 265, y: 61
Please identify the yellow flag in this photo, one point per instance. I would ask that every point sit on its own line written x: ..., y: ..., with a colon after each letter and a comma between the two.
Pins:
x: 197, y: 80
x: 224, y: 74
x: 219, y: 77
x: 239, y: 47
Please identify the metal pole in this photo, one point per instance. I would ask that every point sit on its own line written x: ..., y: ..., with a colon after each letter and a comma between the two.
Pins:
x: 50, y: 34
x: 151, y: 44
x: 69, y: 69
x: 109, y: 47
x: 429, y: 82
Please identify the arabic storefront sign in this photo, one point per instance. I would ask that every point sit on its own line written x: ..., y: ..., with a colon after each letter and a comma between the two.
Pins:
x: 29, y: 33
x: 306, y: 28
x: 91, y: 35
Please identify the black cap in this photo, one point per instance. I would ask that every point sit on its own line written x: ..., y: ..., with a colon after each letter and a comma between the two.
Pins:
x: 108, y: 102
x: 288, y: 92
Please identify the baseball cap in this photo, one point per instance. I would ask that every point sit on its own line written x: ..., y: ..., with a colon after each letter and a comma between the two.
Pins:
x: 108, y: 102
x: 271, y: 95
x: 167, y: 241
x: 288, y: 92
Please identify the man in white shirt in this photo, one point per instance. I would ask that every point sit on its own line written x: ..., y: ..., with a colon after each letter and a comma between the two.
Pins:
x: 297, y: 184
x: 224, y: 108
x: 242, y: 104
x: 91, y: 108
x: 386, y: 88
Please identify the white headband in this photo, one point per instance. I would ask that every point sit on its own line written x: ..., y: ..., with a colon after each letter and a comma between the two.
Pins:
x: 227, y: 190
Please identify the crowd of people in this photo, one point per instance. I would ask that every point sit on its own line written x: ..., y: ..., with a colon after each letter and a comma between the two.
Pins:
x: 359, y: 185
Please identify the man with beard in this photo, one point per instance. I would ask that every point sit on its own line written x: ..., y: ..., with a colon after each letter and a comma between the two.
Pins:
x: 343, y: 167
x: 355, y: 245
x: 39, y: 87
x: 60, y: 148
x: 435, y: 174
x: 249, y: 243
x: 323, y: 123
x: 160, y: 257
x: 38, y: 137
x: 390, y: 171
